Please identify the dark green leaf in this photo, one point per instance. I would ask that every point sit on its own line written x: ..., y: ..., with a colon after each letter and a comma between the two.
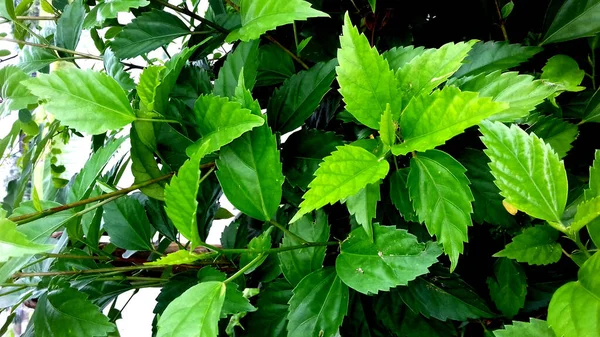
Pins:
x: 536, y: 245
x: 261, y: 242
x: 109, y: 9
x: 275, y: 66
x: 114, y: 68
x: 127, y: 224
x: 507, y: 9
x: 399, y: 194
x: 508, y: 288
x: 272, y: 311
x: 69, y: 25
x: 492, y: 56
x: 575, y: 19
x: 555, y: 132
x: 363, y: 205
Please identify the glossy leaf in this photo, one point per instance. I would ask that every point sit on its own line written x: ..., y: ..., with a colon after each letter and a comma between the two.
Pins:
x: 319, y: 304
x: 491, y: 56
x: 86, y: 100
x: 363, y: 205
x: 575, y: 19
x: 528, y: 172
x: 399, y: 56
x: 33, y: 59
x: 423, y: 129
x: 508, y: 288
x: 399, y: 194
x: 14, y: 243
x: 274, y: 67
x: 587, y: 212
x: 535, y: 245
x: 15, y: 95
x: 387, y: 128
x: 533, y: 328
x: 179, y: 257
x: 127, y: 224
x: 110, y: 9
x: 115, y: 69
x: 366, y: 81
x: 194, y: 313
x: 260, y: 16
x: 143, y: 165
x: 440, y: 192
x: 394, y: 258
x: 340, y: 175
x: 556, y: 132
x: 246, y: 57
x: 564, y: 71
x: 69, y: 25
x: 272, y: 311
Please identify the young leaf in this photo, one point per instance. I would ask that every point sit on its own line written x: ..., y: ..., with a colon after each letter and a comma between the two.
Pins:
x: 69, y: 25
x: 146, y: 89
x: 319, y: 304
x: 399, y: 56
x: 179, y: 257
x: 340, y: 175
x: 15, y: 95
x: 299, y: 96
x: 261, y: 242
x: 180, y: 197
x: 492, y: 56
x: 535, y: 328
x: 273, y: 309
x: 509, y: 287
x: 14, y: 243
x: 423, y: 129
x: 115, y: 69
x: 394, y: 258
x: 399, y: 194
x: 147, y: 32
x: 127, y: 224
x: 564, y: 71
x: 387, y: 128
x: 587, y: 212
x: 507, y: 9
x: 442, y: 199
x: 575, y: 306
x: 296, y: 264
x: 109, y: 9
x: 195, y: 313
x: 244, y: 56
x: 365, y: 79
x: 86, y: 100
x: 575, y: 19
x: 67, y: 312
x: 260, y: 16
x: 430, y: 69
x: 535, y: 245
x: 220, y: 121
x: 363, y: 205
x: 528, y: 172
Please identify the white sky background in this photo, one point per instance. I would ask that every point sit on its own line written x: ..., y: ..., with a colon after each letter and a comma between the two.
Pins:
x: 137, y: 316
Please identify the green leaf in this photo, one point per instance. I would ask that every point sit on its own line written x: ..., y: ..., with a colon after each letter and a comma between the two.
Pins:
x: 67, y: 312
x: 195, y: 313
x: 115, y: 69
x: 575, y: 306
x: 587, y: 212
x: 179, y: 257
x: 575, y: 19
x: 366, y: 81
x: 274, y: 67
x: 147, y: 32
x: 521, y: 92
x: 535, y: 245
x: 180, y: 197
x: 424, y: 129
x: 509, y: 286
x: 342, y: 174
x: 235, y: 302
x: 507, y: 9
x: 296, y: 264
x: 431, y: 68
x: 363, y: 205
x: 86, y: 100
x: 535, y: 328
x: 564, y: 71
x: 127, y: 224
x: 593, y: 189
x: 491, y: 56
x: 14, y: 243
x: 143, y: 165
x: 246, y: 57
x: 15, y: 95
x: 394, y: 258
x: 33, y: 59
x: 555, y: 132
x: 109, y: 9
x: 528, y: 172
x: 592, y: 109
x: 260, y: 16
x: 487, y: 206
x: 400, y: 56
x: 442, y: 199
x: 399, y: 194
x: 319, y: 304
x: 69, y: 25
x: 261, y: 242
x: 272, y: 311
x: 387, y: 127
x: 146, y: 89
x: 299, y: 96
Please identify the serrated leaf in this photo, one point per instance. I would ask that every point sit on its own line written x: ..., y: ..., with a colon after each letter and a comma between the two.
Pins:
x: 533, y: 328
x: 535, y: 245
x: 67, y: 312
x: 260, y: 16
x: 179, y: 257
x: 235, y: 302
x: 575, y: 306
x: 492, y: 56
x: 127, y: 224
x: 587, y: 212
x: 219, y: 121
x: 14, y: 243
x: 564, y: 71
x: 575, y: 19
x: 195, y: 313
x: 146, y: 89
x: 421, y: 123
x: 442, y: 199
x: 319, y: 304
x: 115, y: 69
x: 296, y: 264
x: 147, y: 32
x: 394, y: 258
x: 431, y: 68
x: 86, y: 100
x: 366, y: 81
x: 387, y: 128
x: 180, y: 197
x: 528, y: 172
x: 363, y: 205
x: 259, y: 243
x: 342, y: 174
x: 399, y: 56
x: 593, y: 189
x: 556, y: 132
x: 246, y: 57
x: 509, y: 286
x: 33, y: 59
x: 69, y: 25
x: 299, y: 96
x: 399, y: 194
x: 272, y: 311
x: 109, y: 9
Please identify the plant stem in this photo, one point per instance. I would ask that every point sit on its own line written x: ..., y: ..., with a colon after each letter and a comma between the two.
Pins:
x: 37, y: 18
x: 280, y: 249
x: 193, y: 15
x: 153, y: 120
x: 86, y: 271
x: 47, y: 46
x: 287, y: 51
x: 75, y: 257
x: 286, y: 231
x: 295, y: 35
x: 502, y: 27
x: 245, y: 268
x: 580, y: 245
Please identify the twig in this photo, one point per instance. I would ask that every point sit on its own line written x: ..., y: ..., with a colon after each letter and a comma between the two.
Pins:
x: 287, y: 51
x: 504, y: 33
x: 192, y: 15
x: 286, y: 231
x: 37, y: 18
x: 47, y: 46
x: 245, y: 268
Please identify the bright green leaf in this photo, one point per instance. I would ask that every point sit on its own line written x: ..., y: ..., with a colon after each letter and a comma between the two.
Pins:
x: 564, y: 71
x: 146, y: 89
x: 507, y: 9
x: 235, y: 302
x: 15, y: 95
x: 13, y: 243
x: 363, y: 205
x: 115, y: 69
x: 400, y: 56
x: 394, y: 258
x: 593, y: 189
x: 246, y: 57
x: 555, y: 132
x: 534, y: 328
x: 179, y: 257
x: 261, y: 242
x: 492, y: 56
x: 387, y: 128
x: 508, y: 287
x: 127, y: 224
x: 109, y: 9
x: 587, y: 212
x: 575, y: 19
x: 535, y: 245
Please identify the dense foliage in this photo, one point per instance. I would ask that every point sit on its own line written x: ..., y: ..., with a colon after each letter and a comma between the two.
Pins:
x: 401, y: 170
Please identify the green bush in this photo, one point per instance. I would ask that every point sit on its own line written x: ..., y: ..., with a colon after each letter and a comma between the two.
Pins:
x: 401, y: 168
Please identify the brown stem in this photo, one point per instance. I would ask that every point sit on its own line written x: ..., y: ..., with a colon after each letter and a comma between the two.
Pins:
x: 504, y: 33
x: 192, y: 15
x: 47, y: 46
